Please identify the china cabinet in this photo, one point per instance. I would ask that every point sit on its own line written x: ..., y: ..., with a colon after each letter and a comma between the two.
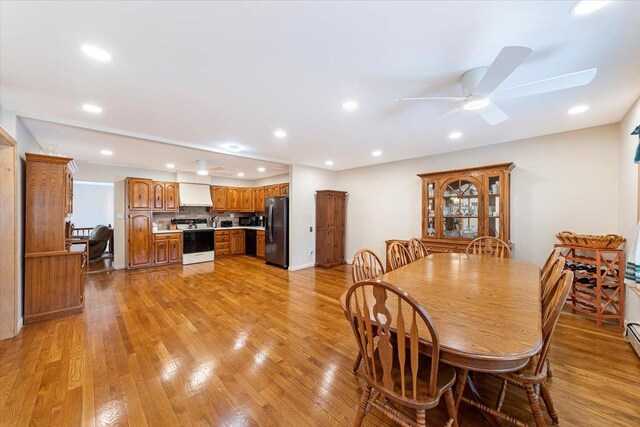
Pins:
x: 460, y: 205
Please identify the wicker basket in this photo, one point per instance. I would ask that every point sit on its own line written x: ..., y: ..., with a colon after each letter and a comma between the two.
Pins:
x: 610, y: 241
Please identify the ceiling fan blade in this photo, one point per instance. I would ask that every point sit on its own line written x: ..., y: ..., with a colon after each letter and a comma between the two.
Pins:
x: 505, y: 63
x: 433, y: 98
x: 566, y: 81
x: 492, y: 114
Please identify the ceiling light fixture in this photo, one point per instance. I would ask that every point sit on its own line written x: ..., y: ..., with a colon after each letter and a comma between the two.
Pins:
x: 578, y: 109
x: 376, y: 153
x: 233, y: 148
x: 106, y: 152
x: 171, y: 165
x: 455, y: 135
x: 95, y: 53
x: 476, y: 104
x: 350, y: 105
x: 329, y: 163
x: 280, y: 133
x: 90, y: 108
x: 203, y: 167
x: 241, y: 174
x: 585, y: 7
x: 261, y: 169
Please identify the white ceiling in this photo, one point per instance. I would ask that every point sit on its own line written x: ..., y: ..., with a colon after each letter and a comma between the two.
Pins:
x: 207, y: 73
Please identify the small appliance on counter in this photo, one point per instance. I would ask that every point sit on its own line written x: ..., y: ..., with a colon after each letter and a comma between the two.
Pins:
x: 226, y: 224
x: 260, y: 221
x: 245, y: 221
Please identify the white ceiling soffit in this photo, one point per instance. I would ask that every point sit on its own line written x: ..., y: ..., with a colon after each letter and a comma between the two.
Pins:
x: 210, y: 73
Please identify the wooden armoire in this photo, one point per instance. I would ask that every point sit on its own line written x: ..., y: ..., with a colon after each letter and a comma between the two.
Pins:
x: 330, y: 225
x: 54, y: 274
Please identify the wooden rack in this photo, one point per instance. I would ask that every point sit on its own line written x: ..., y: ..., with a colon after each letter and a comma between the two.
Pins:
x: 603, y: 297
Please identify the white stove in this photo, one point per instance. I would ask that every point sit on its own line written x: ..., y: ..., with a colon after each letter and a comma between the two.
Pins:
x: 197, y: 240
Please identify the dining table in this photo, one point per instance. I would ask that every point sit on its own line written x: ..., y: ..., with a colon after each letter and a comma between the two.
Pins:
x: 486, y: 311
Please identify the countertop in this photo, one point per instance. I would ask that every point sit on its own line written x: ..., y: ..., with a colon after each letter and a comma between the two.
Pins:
x: 212, y: 229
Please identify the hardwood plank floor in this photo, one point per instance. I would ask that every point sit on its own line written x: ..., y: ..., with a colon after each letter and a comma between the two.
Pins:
x: 241, y: 343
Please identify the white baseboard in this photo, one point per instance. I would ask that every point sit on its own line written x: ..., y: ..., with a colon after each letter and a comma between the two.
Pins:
x: 301, y: 267
x: 20, y: 324
x: 118, y: 267
x: 348, y: 261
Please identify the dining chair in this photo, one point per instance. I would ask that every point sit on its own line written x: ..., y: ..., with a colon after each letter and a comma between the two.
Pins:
x: 489, y: 246
x: 550, y: 277
x: 397, y: 368
x: 550, y: 260
x: 533, y: 377
x: 417, y: 249
x: 397, y: 255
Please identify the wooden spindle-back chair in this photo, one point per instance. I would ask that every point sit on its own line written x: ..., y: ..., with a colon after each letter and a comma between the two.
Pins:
x: 532, y: 379
x: 366, y: 265
x: 387, y: 323
x: 417, y: 249
x: 550, y: 277
x: 397, y: 255
x: 553, y: 256
x: 489, y: 246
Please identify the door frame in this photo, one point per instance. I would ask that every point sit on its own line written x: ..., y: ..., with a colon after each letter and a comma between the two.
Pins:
x: 9, y: 309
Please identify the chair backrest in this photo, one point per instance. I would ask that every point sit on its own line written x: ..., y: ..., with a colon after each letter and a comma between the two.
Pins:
x: 549, y: 278
x: 374, y: 308
x: 397, y: 255
x: 550, y: 260
x: 558, y: 293
x: 417, y: 249
x: 366, y: 265
x: 489, y: 246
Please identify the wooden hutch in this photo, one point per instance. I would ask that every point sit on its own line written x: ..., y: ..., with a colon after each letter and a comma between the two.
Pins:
x: 460, y: 205
x: 330, y: 227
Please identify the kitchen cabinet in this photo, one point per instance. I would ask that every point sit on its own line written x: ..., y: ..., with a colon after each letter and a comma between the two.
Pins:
x: 139, y: 194
x: 246, y: 199
x: 284, y: 189
x: 158, y: 196
x: 258, y: 199
x: 139, y: 237
x: 165, y: 197
x: 233, y: 199
x: 219, y: 198
x: 237, y: 242
x: 167, y: 248
x: 330, y: 227
x: 272, y: 190
x: 160, y: 252
x: 68, y: 192
x: 221, y: 240
x: 260, y: 241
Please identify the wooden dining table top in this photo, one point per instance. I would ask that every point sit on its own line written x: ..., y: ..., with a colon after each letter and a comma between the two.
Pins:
x: 487, y: 311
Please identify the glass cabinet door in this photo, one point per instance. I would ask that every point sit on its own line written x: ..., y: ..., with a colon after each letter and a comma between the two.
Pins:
x: 431, y: 209
x: 493, y: 214
x: 460, y: 209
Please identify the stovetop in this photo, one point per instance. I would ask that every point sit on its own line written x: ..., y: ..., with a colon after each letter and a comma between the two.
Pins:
x: 191, y: 224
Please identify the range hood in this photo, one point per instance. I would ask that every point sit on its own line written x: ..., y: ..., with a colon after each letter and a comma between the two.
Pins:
x: 195, y: 195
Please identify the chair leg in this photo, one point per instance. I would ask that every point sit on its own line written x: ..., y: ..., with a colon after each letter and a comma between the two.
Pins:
x: 421, y: 418
x: 357, y: 364
x: 501, y: 395
x: 548, y: 402
x: 461, y: 383
x: 362, y: 408
x: 535, y: 405
x: 451, y: 407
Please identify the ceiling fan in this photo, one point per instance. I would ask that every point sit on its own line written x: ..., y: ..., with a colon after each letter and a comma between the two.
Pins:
x: 479, y: 85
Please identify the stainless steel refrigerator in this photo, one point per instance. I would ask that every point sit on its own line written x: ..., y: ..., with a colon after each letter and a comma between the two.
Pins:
x: 277, y: 231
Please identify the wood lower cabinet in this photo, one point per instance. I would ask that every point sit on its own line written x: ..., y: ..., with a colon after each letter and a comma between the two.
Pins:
x: 237, y: 242
x: 222, y: 242
x: 139, y: 194
x: 246, y: 199
x: 139, y: 238
x: 260, y: 243
x: 219, y: 198
x: 167, y: 248
x: 233, y: 199
x: 330, y: 228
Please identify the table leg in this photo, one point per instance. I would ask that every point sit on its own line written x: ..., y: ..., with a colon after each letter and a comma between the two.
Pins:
x: 475, y: 395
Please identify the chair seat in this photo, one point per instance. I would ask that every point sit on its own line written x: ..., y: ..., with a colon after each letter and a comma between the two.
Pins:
x: 446, y: 379
x: 527, y: 374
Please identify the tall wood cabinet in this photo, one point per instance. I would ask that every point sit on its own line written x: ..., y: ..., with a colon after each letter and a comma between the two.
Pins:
x: 54, y: 274
x: 330, y: 227
x: 139, y: 222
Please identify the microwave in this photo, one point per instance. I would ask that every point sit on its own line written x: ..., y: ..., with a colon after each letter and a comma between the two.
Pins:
x: 247, y: 221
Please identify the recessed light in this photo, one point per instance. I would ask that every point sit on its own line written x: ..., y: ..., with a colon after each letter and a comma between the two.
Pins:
x: 584, y: 7
x: 329, y: 163
x: 203, y: 172
x: 578, y: 109
x: 350, y: 105
x: 280, y: 133
x: 455, y: 135
x: 476, y: 104
x: 171, y: 165
x: 376, y: 153
x: 90, y: 108
x: 261, y: 169
x: 95, y: 53
x: 233, y: 148
x: 106, y: 152
x: 240, y: 173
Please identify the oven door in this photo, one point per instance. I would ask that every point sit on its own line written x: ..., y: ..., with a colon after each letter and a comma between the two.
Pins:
x: 195, y: 241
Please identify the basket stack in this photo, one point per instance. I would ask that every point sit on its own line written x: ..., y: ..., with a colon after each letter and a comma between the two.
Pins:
x: 609, y: 241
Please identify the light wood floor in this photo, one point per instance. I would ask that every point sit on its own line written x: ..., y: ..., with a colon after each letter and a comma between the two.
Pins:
x: 241, y: 343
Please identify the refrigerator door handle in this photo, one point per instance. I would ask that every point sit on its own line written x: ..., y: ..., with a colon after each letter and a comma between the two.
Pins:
x: 270, y: 222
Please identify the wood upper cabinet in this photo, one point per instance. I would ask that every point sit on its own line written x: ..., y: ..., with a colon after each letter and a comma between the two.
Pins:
x: 246, y: 199
x: 171, y: 196
x: 237, y: 242
x: 234, y: 203
x: 219, y: 198
x: 272, y: 190
x: 284, y: 189
x: 158, y: 196
x: 330, y: 228
x: 260, y: 243
x: 139, y: 239
x: 258, y: 199
x: 139, y: 194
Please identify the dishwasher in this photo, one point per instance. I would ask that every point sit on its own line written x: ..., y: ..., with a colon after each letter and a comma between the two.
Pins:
x: 250, y: 242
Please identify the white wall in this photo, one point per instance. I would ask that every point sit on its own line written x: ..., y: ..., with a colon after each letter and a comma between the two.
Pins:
x: 305, y: 181
x: 277, y: 179
x: 566, y: 181
x: 106, y: 173
x: 118, y: 225
x: 92, y: 203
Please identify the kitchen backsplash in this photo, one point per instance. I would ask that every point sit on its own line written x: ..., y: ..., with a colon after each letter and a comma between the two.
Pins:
x: 163, y: 219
